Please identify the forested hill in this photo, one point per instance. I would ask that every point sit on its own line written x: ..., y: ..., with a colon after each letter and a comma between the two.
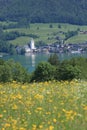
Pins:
x: 66, y: 11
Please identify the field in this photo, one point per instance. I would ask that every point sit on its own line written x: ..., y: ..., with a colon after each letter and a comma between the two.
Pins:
x: 47, y: 34
x: 78, y: 39
x: 43, y: 106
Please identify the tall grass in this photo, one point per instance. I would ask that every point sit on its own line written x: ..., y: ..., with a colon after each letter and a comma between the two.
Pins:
x: 43, y: 106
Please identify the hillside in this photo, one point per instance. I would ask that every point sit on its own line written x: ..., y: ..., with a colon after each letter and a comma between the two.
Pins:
x: 48, y: 35
x: 69, y: 11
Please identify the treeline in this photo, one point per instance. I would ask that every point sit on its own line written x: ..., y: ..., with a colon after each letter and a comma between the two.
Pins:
x: 31, y: 11
x: 53, y: 69
x: 5, y: 46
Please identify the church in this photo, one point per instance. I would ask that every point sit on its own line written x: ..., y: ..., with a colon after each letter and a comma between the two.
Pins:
x: 30, y: 47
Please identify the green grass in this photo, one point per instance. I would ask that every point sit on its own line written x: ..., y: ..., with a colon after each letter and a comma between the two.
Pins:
x: 78, y: 39
x: 43, y: 106
x: 21, y: 41
x: 44, y: 32
x: 7, y: 22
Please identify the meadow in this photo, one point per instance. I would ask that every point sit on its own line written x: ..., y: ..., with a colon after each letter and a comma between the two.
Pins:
x: 43, y: 106
x: 47, y: 34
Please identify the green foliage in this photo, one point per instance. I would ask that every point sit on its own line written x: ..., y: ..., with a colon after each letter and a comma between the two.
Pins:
x: 59, y: 26
x: 26, y: 11
x: 82, y: 65
x: 75, y: 68
x: 23, y: 22
x: 9, y: 71
x: 19, y: 73
x: 78, y: 29
x: 61, y: 70
x: 50, y: 26
x: 5, y: 72
x: 10, y: 35
x: 70, y: 34
x: 13, y: 35
x: 33, y: 36
x: 68, y: 72
x: 22, y: 52
x: 40, y: 43
x: 5, y: 46
x: 44, y: 72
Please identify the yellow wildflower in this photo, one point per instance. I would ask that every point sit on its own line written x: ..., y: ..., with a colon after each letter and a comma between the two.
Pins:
x: 14, y: 107
x: 7, y: 125
x: 51, y: 127
x: 22, y: 128
x: 1, y: 115
x: 19, y: 96
x: 54, y: 120
x: 40, y: 126
x: 69, y: 114
x: 34, y: 127
x: 39, y: 108
x: 3, y: 129
x: 38, y: 96
x: 85, y: 108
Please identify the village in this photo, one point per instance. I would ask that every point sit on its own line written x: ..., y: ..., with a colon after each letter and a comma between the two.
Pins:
x: 54, y: 48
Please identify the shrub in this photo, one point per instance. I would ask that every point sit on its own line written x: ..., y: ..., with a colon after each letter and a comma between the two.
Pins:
x: 68, y: 72
x: 44, y: 72
x: 5, y: 73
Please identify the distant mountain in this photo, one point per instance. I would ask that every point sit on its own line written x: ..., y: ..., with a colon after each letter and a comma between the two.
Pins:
x: 66, y: 11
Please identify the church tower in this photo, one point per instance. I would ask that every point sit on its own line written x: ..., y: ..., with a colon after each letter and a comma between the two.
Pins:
x: 32, y: 46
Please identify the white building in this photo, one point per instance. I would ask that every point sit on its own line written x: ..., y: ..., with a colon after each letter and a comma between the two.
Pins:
x: 32, y: 45
x: 27, y: 49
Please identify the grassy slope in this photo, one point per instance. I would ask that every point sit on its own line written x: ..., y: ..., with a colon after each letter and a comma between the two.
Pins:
x: 43, y: 106
x: 44, y: 32
x: 7, y: 23
x: 77, y: 39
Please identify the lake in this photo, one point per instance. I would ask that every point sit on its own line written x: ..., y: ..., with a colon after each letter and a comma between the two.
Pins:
x: 29, y: 61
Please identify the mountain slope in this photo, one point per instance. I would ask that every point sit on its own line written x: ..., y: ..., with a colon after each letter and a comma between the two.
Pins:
x: 70, y: 11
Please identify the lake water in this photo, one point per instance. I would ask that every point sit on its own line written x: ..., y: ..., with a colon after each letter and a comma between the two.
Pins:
x: 29, y: 61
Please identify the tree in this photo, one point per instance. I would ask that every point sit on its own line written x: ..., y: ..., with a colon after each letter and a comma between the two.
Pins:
x: 5, y: 73
x: 59, y: 26
x: 70, y: 34
x: 50, y: 26
x: 22, y: 51
x: 67, y: 71
x: 82, y: 65
x: 24, y: 22
x: 40, y: 43
x: 44, y: 11
x: 44, y: 72
x: 19, y: 73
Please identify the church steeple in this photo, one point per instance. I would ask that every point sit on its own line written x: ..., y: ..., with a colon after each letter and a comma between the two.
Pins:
x: 32, y: 44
